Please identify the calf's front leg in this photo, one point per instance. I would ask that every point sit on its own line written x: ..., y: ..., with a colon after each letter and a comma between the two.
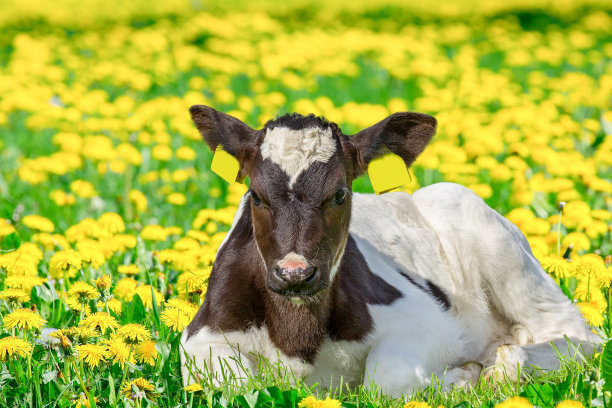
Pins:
x: 397, y: 365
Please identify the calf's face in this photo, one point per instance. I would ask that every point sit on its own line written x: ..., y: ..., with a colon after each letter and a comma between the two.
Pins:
x: 300, y: 205
x: 301, y: 170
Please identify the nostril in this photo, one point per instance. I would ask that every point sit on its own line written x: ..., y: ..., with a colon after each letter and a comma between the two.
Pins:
x: 312, y: 274
x: 278, y: 273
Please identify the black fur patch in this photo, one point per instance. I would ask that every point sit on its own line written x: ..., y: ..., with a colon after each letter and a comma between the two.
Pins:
x: 438, y: 294
x: 296, y: 121
x: 430, y: 288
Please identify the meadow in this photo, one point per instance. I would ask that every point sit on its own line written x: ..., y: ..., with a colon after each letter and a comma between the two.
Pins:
x: 110, y: 217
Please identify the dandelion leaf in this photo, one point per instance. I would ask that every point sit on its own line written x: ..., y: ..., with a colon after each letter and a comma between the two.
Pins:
x: 11, y: 242
x: 606, y: 366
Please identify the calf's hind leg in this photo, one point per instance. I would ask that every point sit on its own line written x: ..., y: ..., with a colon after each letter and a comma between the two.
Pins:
x: 509, y: 361
x: 527, y: 298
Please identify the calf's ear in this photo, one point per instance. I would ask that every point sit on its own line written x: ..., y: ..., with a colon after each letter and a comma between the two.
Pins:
x: 236, y: 137
x: 404, y: 133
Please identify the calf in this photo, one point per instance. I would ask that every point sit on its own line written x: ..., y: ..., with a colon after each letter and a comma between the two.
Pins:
x: 375, y: 289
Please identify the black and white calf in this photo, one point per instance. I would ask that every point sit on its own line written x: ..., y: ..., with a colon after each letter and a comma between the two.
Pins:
x: 386, y: 289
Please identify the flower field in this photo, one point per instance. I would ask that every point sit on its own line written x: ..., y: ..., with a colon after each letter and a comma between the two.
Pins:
x: 110, y: 217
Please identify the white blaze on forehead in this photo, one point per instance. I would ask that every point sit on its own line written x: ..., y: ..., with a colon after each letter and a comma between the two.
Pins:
x: 295, y: 150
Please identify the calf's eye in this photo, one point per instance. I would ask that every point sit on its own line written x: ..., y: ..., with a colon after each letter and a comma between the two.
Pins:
x: 340, y: 196
x: 255, y: 198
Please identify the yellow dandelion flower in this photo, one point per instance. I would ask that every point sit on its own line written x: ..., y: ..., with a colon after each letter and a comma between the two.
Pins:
x: 133, y: 333
x: 14, y: 347
x: 124, y: 241
x: 200, y: 236
x: 92, y: 253
x: 88, y: 227
x: 100, y: 321
x: 112, y: 222
x: 177, y: 199
x: 129, y: 269
x: 576, y: 213
x: 92, y: 354
x: 603, y: 215
x: 119, y: 352
x: 24, y: 319
x: 570, y: 404
x: 577, y: 240
x: 65, y: 263
x: 195, y: 387
x: 186, y: 243
x: 14, y: 296
x: 556, y: 266
x: 83, y: 334
x: 139, y: 388
x: 18, y: 265
x: 416, y: 404
x: 63, y: 339
x: 83, y: 189
x: 30, y: 251
x: 592, y: 266
x: 182, y: 175
x: 146, y: 352
x: 587, y: 289
x: 312, y: 402
x: 74, y: 304
x: 483, y: 190
x: 5, y: 228
x: 161, y: 152
x: 168, y: 256
x: 591, y: 313
x: 174, y: 230
x: 62, y: 198
x: 139, y: 200
x: 125, y: 289
x: 175, y: 318
x: 185, y: 153
x: 38, y: 222
x: 49, y: 242
x: 116, y: 166
x: 146, y: 295
x: 154, y: 233
x: 103, y: 282
x: 515, y: 402
x: 114, y: 305
x: 184, y: 305
x: 194, y: 281
x: 83, y: 401
x: 129, y: 154
x: 69, y: 332
x: 82, y: 292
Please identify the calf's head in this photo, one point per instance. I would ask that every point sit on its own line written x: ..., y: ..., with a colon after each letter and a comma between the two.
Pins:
x: 301, y: 170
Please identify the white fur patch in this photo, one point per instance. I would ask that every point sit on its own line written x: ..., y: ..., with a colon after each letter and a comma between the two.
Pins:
x: 295, y: 150
x: 232, y: 355
x: 241, y: 207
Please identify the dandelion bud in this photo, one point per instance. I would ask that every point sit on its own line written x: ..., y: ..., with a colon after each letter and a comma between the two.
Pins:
x: 103, y: 283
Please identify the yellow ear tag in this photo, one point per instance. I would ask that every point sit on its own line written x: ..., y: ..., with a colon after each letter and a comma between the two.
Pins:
x: 225, y: 165
x: 387, y: 173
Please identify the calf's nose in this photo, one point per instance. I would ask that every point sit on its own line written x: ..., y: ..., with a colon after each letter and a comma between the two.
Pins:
x: 296, y: 274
